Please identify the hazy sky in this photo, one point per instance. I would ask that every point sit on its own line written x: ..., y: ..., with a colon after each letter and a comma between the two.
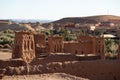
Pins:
x: 56, y: 9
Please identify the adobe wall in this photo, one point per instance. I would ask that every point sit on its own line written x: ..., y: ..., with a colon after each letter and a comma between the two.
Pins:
x: 118, y: 56
x: 100, y: 47
x: 40, y: 43
x: 55, y: 44
x: 12, y: 63
x: 36, y: 44
x: 86, y: 45
x: 71, y: 47
x: 24, y: 46
x: 93, y: 70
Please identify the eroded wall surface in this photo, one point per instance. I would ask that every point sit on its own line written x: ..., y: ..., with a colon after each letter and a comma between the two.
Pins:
x: 55, y: 44
x: 40, y: 43
x: 24, y: 46
x: 93, y: 70
x: 28, y: 44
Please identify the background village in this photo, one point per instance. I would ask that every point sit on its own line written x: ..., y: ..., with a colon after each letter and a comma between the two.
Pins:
x: 86, y: 47
x: 107, y: 26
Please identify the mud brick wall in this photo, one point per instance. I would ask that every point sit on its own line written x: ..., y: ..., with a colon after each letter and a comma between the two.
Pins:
x: 93, y: 70
x: 14, y: 63
x: 24, y: 46
x: 40, y: 43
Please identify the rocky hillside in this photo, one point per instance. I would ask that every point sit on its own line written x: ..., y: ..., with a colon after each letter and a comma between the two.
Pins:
x: 13, y: 27
x: 17, y: 27
x: 89, y: 19
x: 38, y: 26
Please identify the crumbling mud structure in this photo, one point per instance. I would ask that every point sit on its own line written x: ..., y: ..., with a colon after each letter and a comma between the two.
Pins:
x: 24, y: 46
x: 29, y: 45
x: 85, y: 57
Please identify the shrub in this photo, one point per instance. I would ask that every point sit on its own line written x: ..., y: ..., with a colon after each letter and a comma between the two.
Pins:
x: 1, y: 46
x: 10, y: 35
x: 6, y: 46
x: 8, y: 31
x: 6, y: 40
x: 110, y: 56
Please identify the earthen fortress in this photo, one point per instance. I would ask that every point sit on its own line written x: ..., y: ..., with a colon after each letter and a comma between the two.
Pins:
x: 37, y: 54
x: 29, y: 45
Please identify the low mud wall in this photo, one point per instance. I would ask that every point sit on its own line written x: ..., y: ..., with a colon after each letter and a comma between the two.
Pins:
x: 12, y: 63
x: 93, y: 70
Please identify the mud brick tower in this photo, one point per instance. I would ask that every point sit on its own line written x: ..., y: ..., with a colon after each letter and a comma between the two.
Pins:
x: 24, y: 46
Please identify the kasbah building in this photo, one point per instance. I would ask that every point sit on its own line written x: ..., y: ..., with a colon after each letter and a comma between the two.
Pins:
x: 85, y: 57
x: 29, y: 45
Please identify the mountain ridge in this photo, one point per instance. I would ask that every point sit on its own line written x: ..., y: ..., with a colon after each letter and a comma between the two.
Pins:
x: 87, y: 19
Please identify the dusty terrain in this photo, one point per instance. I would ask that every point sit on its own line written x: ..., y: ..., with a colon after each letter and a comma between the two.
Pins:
x: 54, y: 76
x: 56, y: 68
x: 5, y: 54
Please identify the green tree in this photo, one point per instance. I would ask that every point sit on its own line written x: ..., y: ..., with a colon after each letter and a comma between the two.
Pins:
x: 79, y: 32
x: 98, y: 32
x: 111, y: 45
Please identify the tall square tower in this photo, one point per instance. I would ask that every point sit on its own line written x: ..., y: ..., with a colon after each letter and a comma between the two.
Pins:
x: 24, y: 46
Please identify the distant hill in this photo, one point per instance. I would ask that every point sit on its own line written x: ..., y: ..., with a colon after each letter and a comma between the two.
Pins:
x: 30, y: 20
x: 15, y: 27
x: 89, y: 19
x: 35, y: 26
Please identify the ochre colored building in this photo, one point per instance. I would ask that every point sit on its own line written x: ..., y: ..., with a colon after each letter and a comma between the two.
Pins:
x: 56, y: 44
x: 24, y: 46
x: 40, y: 43
x: 29, y: 45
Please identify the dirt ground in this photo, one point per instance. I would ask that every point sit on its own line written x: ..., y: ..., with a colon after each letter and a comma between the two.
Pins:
x: 52, y: 68
x: 5, y: 54
x: 53, y: 76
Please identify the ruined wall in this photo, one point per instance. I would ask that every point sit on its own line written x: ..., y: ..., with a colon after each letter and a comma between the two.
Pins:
x: 93, y: 70
x: 27, y: 44
x: 84, y: 45
x: 12, y: 63
x: 87, y: 44
x: 40, y: 43
x: 100, y: 46
x: 55, y: 44
x: 71, y: 47
x: 24, y: 46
